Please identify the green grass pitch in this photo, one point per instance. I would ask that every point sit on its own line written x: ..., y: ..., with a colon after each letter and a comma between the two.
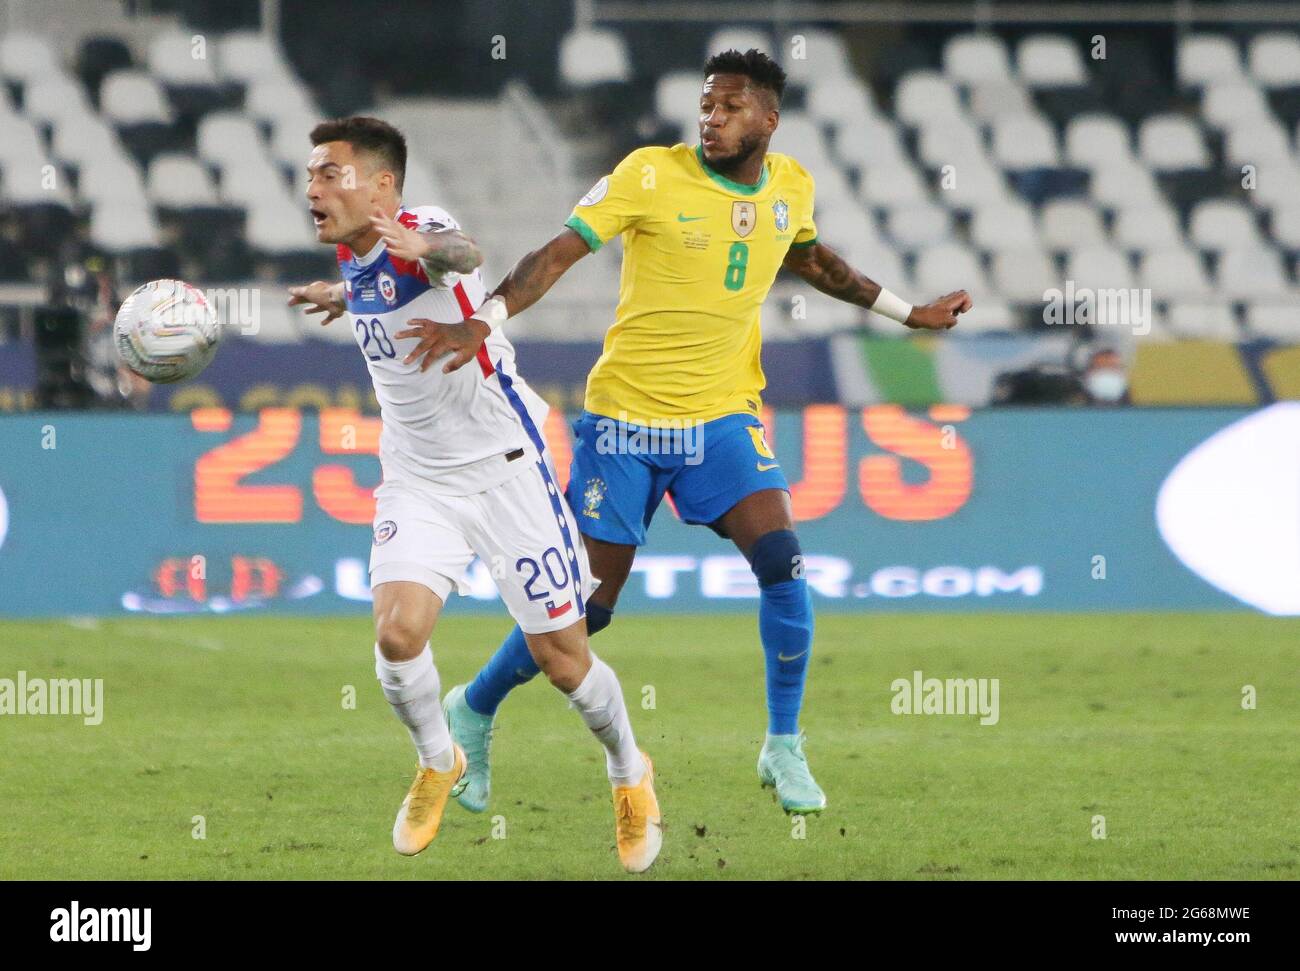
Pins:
x: 1136, y: 718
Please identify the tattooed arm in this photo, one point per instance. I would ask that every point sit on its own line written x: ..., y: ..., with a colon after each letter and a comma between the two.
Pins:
x: 522, y: 287
x: 828, y: 272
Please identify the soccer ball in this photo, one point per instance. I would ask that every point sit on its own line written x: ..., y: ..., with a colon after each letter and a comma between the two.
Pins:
x: 166, y: 331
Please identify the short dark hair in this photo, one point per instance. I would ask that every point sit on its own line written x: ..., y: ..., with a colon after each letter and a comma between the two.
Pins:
x: 753, y: 64
x: 368, y: 134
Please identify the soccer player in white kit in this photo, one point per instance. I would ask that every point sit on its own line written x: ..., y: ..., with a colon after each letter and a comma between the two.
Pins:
x: 465, y: 472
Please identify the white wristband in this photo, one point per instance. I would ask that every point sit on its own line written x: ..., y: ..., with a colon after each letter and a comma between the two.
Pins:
x: 493, y: 312
x: 892, y: 306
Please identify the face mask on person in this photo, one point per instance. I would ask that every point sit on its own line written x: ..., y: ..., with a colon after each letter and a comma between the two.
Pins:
x: 1105, y: 384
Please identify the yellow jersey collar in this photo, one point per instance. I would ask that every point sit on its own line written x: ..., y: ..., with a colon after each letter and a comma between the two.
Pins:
x: 728, y: 184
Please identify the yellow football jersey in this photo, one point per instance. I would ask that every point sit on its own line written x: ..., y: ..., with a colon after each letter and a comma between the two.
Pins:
x: 700, y: 253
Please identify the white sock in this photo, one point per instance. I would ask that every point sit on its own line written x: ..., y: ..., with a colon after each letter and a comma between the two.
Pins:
x: 411, y: 687
x: 599, y: 700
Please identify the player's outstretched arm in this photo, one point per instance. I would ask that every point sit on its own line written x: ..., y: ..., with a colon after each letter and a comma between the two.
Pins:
x: 828, y: 272
x: 320, y: 298
x: 440, y: 252
x: 522, y: 287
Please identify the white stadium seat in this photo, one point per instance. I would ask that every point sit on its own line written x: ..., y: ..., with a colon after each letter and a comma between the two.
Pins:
x: 1211, y: 320
x: 593, y: 56
x: 990, y: 100
x: 1123, y: 182
x: 875, y: 142
x: 1147, y: 227
x: 976, y: 182
x: 1275, y: 183
x: 248, y: 54
x: 85, y: 140
x: 741, y: 39
x: 949, y: 266
x: 1286, y: 225
x: 131, y: 97
x: 1094, y: 139
x: 280, y: 227
x: 953, y: 142
x: 892, y: 184
x: 1174, y: 272
x: 180, y: 181
x: 919, y: 224
x: 228, y: 136
x: 1004, y: 226
x: 253, y: 182
x: 1207, y: 58
x: 24, y: 183
x: 840, y: 102
x: 1277, y: 320
x: 968, y: 58
x: 1050, y: 61
x: 1024, y: 275
x: 1251, y: 272
x: 1260, y: 144
x: 1216, y: 224
x: 924, y: 97
x: 1025, y: 142
x: 121, y: 227
x: 1230, y: 104
x: 272, y: 99
x: 1070, y: 223
x: 1098, y: 267
x: 1275, y: 59
x: 112, y: 179
x: 1169, y: 143
x: 20, y: 144
x: 26, y: 57
x: 56, y: 98
x: 174, y: 58
x: 677, y: 97
x: 824, y: 56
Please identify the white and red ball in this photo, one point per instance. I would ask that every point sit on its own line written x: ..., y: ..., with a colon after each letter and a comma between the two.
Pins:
x: 166, y: 331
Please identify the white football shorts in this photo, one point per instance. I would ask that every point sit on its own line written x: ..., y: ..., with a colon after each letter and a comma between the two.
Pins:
x: 522, y: 529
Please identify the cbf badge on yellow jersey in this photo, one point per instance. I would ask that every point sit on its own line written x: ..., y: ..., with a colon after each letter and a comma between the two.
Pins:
x: 700, y: 252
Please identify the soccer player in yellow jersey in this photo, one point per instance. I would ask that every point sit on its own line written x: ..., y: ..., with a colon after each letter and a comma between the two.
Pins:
x: 705, y: 229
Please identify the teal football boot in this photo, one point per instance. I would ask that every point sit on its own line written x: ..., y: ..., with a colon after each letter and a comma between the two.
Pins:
x: 473, y: 733
x: 783, y: 765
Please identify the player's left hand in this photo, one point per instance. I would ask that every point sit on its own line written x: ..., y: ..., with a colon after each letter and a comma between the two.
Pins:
x: 404, y: 243
x: 940, y: 314
x: 461, y: 341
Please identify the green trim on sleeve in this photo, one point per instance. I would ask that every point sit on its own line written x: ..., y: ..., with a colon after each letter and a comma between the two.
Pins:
x: 806, y: 242
x: 588, y: 234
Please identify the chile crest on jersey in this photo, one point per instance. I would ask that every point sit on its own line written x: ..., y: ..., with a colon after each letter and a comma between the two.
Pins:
x: 380, y: 287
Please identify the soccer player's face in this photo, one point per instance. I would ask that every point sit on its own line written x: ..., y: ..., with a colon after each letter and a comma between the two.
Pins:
x: 735, y: 118
x: 340, y: 192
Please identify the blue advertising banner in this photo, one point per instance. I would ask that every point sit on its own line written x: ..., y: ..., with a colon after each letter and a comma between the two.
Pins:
x: 936, y: 510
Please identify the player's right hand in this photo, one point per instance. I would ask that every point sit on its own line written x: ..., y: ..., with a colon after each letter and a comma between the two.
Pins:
x: 461, y: 341
x: 321, y: 298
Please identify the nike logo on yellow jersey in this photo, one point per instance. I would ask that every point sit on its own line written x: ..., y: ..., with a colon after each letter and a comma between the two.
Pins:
x: 689, y: 219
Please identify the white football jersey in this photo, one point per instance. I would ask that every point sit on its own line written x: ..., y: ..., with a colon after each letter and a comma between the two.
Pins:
x: 459, y: 433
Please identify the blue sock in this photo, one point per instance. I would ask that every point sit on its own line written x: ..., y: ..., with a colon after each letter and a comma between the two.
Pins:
x: 513, y: 665
x: 785, y: 623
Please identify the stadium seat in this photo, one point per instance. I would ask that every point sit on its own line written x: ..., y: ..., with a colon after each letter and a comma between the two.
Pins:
x: 1275, y: 59
x: 174, y: 59
x: 55, y: 99
x: 1004, y: 226
x: 591, y: 56
x: 1275, y: 183
x: 918, y: 224
x: 131, y: 97
x: 24, y: 185
x: 968, y: 58
x: 273, y: 99
x: 677, y: 97
x: 1024, y: 275
x: 926, y: 97
x: 1069, y: 224
x: 872, y: 143
x: 1172, y: 142
x: 20, y: 144
x: 1207, y: 58
x: 1218, y: 224
x: 1211, y: 320
x: 97, y: 57
x: 840, y: 102
x: 799, y: 136
x: 1251, y: 272
x: 1277, y: 320
x: 228, y: 136
x: 1232, y: 104
x: 26, y: 57
x: 1147, y: 227
x: 976, y: 182
x: 119, y: 227
x: 1093, y: 140
x: 112, y: 180
x: 181, y: 182
x: 891, y: 184
x: 954, y: 142
x: 1260, y: 144
x: 949, y: 266
x: 1174, y: 273
x: 1050, y: 61
x: 248, y: 54
x: 1099, y: 267
x: 999, y: 97
x: 278, y: 323
x: 278, y: 227
x: 84, y: 141
x: 1024, y: 142
x: 825, y: 57
x: 252, y: 182
x: 844, y: 227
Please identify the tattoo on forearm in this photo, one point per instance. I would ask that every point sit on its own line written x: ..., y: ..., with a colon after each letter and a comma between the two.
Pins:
x: 452, y: 251
x: 531, y: 277
x: 828, y: 272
